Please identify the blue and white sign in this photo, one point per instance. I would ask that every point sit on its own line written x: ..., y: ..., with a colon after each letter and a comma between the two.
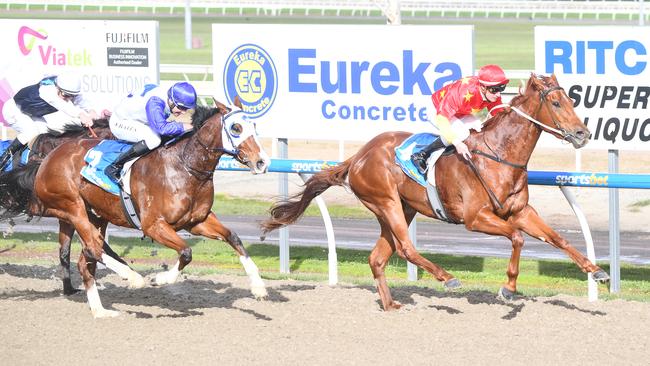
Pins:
x: 606, y: 71
x: 333, y: 82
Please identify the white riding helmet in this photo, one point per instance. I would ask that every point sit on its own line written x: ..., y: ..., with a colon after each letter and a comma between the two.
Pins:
x: 69, y: 83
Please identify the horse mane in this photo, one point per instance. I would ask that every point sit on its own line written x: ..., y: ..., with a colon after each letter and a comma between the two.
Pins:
x: 523, y: 95
x: 75, y: 130
x: 202, y: 114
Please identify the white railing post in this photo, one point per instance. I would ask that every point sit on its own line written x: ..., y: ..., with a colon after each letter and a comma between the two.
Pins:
x: 283, y: 180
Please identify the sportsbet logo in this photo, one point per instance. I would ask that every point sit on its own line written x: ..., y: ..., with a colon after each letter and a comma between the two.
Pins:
x: 250, y: 74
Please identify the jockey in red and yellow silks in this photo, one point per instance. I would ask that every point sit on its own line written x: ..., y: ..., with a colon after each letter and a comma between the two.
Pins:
x: 455, y: 105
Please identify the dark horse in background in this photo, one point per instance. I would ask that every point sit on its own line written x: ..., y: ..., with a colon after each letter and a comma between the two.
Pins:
x: 171, y: 188
x: 40, y: 147
x: 507, y: 142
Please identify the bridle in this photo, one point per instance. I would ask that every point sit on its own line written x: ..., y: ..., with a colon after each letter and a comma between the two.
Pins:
x: 543, y: 101
x: 207, y: 174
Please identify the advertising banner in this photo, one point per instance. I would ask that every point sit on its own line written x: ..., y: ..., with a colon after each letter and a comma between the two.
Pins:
x: 338, y: 82
x: 605, y: 70
x: 113, y: 58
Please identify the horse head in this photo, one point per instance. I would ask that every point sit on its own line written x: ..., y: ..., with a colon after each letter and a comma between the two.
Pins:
x: 555, y: 110
x: 239, y: 138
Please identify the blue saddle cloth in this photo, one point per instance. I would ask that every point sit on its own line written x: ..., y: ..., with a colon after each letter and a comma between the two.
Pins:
x: 24, y: 157
x: 404, y: 151
x: 98, y: 158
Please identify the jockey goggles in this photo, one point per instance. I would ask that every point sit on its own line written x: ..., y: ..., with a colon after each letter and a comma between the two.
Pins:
x: 496, y: 88
x: 180, y: 107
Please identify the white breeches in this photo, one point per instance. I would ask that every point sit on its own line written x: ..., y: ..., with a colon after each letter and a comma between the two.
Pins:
x: 460, y: 126
x: 25, y: 127
x: 134, y: 131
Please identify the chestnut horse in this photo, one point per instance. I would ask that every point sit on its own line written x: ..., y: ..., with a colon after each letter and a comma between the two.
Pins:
x: 500, y: 153
x: 171, y: 188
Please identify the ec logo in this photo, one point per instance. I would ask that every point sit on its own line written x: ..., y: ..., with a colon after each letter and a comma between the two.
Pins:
x: 250, y: 74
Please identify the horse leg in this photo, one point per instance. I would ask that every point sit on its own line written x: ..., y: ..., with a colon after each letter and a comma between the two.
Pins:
x: 113, y: 261
x: 398, y: 221
x: 87, y: 267
x: 394, y: 219
x: 161, y: 232
x: 378, y: 260
x: 530, y: 222
x: 212, y: 228
x: 486, y: 221
x: 66, y: 231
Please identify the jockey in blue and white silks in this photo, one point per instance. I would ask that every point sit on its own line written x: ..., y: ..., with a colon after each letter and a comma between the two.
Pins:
x: 51, y: 105
x: 142, y: 116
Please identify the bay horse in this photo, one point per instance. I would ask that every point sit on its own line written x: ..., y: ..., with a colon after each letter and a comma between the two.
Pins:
x: 500, y: 152
x: 41, y: 146
x: 171, y: 188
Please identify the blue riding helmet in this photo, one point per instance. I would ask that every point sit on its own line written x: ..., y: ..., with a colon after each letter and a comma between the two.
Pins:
x: 183, y: 95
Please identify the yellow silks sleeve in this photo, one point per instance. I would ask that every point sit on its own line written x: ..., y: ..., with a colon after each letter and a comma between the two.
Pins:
x: 444, y: 126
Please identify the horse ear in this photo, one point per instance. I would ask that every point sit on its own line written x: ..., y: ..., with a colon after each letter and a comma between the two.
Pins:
x: 554, y: 78
x: 535, y: 82
x: 220, y: 106
x: 522, y: 87
x: 238, y: 102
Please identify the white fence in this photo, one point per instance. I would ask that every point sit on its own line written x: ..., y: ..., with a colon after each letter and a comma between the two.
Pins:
x: 611, y: 9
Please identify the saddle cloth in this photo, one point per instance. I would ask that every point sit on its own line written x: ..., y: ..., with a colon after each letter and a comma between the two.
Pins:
x: 99, y: 157
x: 24, y: 156
x: 403, y: 154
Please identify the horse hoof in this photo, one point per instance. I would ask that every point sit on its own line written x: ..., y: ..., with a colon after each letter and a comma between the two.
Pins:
x: 71, y: 291
x: 505, y: 294
x: 600, y: 276
x: 104, y: 313
x: 394, y: 305
x: 136, y: 281
x: 259, y: 292
x: 452, y: 284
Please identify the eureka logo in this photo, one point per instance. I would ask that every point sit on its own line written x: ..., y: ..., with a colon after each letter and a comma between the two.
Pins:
x: 250, y: 74
x: 49, y: 55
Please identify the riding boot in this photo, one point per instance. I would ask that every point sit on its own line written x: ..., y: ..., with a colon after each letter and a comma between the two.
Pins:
x: 13, y: 148
x: 113, y: 170
x: 419, y: 158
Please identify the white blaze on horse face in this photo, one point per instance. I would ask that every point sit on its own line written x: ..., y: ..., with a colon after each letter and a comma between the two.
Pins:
x: 237, y: 129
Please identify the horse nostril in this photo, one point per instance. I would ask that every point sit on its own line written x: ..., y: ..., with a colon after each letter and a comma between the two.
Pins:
x: 260, y: 164
x: 581, y: 134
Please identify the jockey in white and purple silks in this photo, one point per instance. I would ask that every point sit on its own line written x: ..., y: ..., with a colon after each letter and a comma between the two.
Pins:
x: 142, y: 118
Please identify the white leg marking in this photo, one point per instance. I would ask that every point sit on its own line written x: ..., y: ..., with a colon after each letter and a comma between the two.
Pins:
x: 96, y: 304
x: 126, y: 273
x: 257, y: 285
x: 168, y: 277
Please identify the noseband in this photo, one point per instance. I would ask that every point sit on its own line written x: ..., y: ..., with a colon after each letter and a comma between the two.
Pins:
x: 544, y: 101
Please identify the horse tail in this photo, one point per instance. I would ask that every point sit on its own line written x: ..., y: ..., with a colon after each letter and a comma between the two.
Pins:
x: 286, y: 212
x: 17, y: 190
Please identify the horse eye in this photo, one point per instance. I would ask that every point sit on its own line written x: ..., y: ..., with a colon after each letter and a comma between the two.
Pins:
x: 236, y: 129
x: 556, y: 104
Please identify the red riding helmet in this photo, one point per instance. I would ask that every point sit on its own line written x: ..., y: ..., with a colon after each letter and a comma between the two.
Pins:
x: 490, y: 75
